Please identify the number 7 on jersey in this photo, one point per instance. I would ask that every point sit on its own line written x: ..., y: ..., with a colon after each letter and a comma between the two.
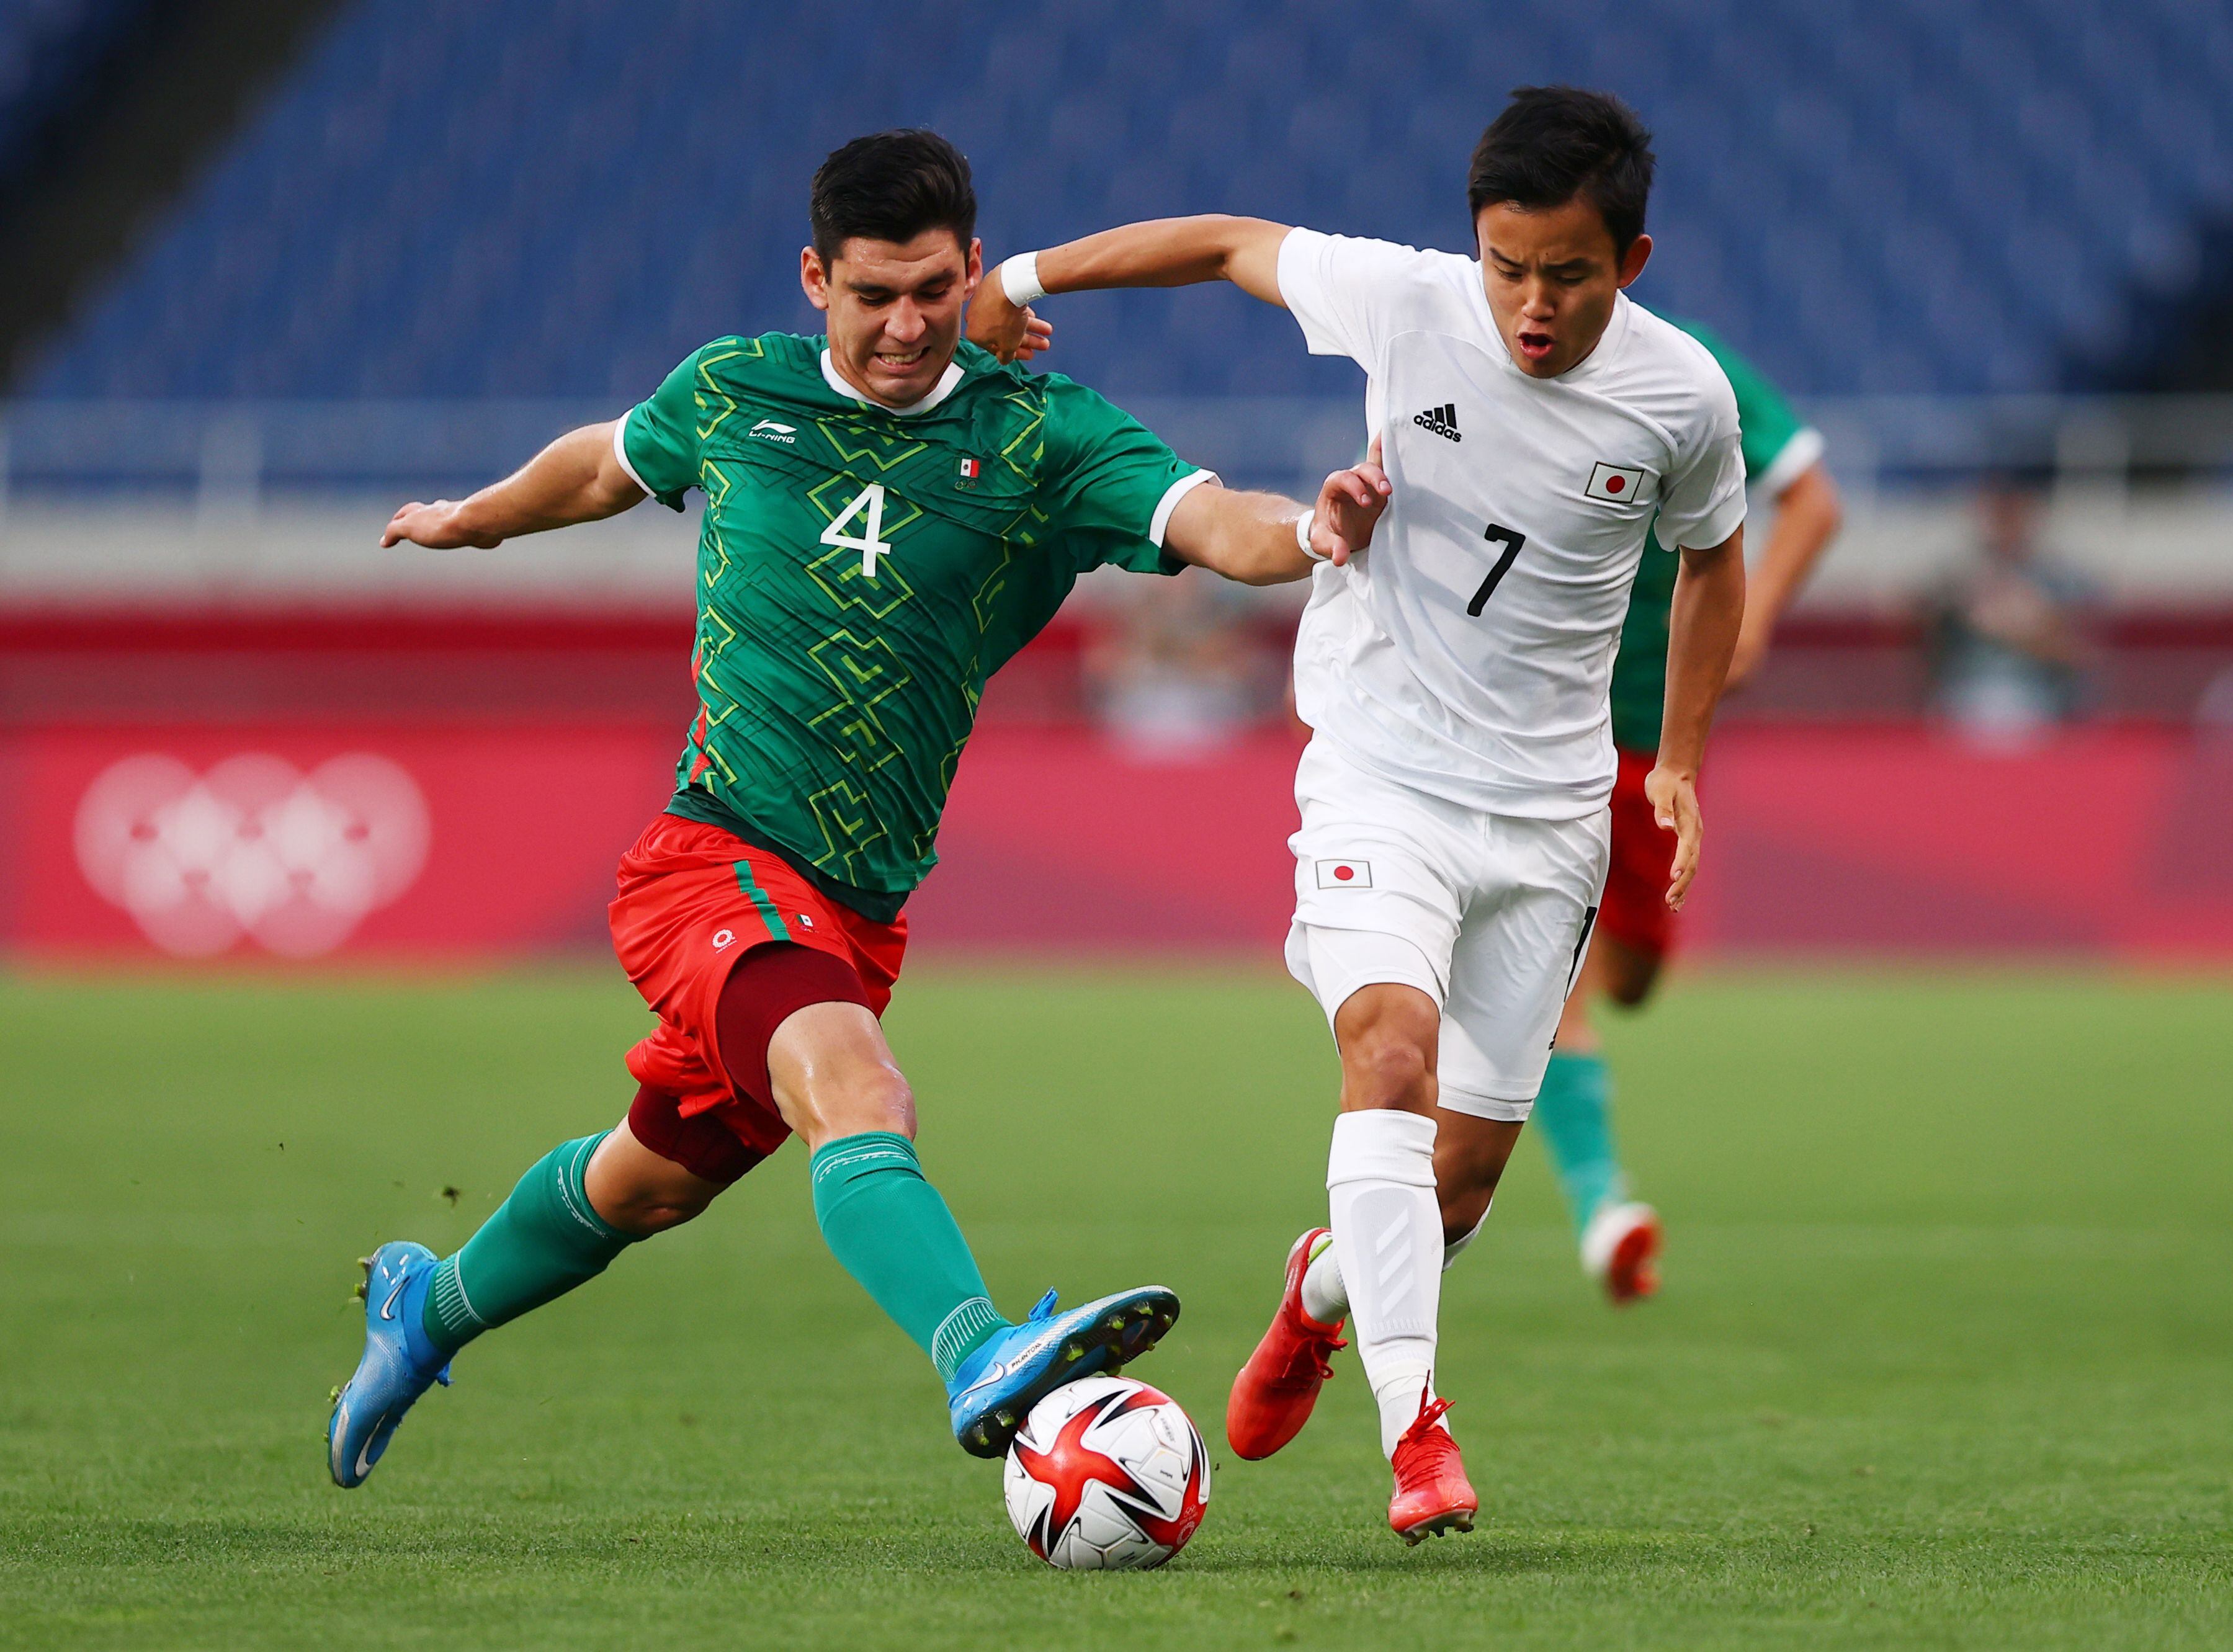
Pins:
x: 1512, y: 540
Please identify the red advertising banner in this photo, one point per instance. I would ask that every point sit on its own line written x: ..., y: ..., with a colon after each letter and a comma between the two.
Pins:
x: 462, y: 842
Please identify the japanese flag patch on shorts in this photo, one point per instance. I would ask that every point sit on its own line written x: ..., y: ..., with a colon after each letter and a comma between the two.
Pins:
x: 1345, y: 874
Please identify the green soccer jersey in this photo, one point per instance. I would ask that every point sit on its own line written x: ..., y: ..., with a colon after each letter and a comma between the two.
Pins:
x: 1778, y: 446
x: 861, y: 571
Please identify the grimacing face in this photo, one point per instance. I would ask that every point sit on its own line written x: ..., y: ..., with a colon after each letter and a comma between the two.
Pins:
x: 895, y: 309
x: 1552, y: 276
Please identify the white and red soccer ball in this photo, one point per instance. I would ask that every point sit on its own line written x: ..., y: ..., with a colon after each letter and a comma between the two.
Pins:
x: 1107, y: 1474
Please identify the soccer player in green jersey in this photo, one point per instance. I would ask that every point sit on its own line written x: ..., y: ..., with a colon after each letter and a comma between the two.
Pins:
x: 1619, y: 1236
x: 889, y: 516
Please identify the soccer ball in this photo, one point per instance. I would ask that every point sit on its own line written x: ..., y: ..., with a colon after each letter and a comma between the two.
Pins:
x: 1107, y: 1474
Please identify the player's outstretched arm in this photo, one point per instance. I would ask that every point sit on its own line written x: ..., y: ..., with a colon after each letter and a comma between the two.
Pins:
x: 1702, y: 635
x: 1162, y: 252
x: 1262, y: 539
x: 577, y: 478
x: 1808, y: 515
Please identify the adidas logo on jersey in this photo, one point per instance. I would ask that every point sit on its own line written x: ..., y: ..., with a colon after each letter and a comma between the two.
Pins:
x: 1442, y: 420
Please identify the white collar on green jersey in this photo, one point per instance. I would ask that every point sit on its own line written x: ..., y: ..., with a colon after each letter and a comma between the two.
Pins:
x: 948, y: 382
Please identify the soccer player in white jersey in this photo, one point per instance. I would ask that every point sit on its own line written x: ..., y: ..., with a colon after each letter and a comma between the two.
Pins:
x: 1534, y: 424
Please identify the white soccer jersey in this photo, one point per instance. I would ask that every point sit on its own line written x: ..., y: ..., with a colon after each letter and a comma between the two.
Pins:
x: 1469, y: 652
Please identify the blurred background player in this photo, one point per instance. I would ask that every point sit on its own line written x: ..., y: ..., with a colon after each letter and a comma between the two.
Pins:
x: 2007, y: 636
x: 1620, y: 1237
x: 1454, y: 832
x: 889, y: 517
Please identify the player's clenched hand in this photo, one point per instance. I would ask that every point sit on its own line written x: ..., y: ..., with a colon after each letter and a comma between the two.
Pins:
x: 1349, y: 507
x: 436, y: 526
x: 1013, y: 333
x: 1673, y: 798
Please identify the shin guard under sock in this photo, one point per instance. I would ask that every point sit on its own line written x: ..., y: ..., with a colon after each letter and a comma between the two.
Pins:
x: 542, y: 1241
x: 894, y: 1233
x: 1387, y: 1232
x: 1325, y: 1298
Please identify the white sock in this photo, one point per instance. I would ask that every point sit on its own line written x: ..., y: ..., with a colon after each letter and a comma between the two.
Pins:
x: 1387, y: 1229
x: 1325, y: 1298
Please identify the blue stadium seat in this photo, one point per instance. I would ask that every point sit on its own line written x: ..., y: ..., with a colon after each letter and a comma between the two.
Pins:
x: 47, y: 49
x: 561, y: 197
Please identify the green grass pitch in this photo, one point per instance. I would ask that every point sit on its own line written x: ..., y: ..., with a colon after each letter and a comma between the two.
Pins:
x: 1942, y: 1359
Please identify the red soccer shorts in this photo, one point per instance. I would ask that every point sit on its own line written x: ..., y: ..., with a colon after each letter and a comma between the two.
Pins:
x: 1633, y: 910
x: 692, y: 900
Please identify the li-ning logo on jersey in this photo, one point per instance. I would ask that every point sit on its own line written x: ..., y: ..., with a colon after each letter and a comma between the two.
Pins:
x: 1345, y: 874
x: 1442, y: 420
x: 1616, y: 482
x: 787, y: 434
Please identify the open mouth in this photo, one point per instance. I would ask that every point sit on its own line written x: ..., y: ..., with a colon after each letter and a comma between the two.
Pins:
x: 900, y: 361
x: 1536, y: 346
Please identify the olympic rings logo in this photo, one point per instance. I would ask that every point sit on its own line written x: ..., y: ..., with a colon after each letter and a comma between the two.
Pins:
x: 254, y: 847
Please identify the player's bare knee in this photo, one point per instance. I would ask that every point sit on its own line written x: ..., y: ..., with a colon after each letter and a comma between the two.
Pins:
x: 874, y: 1096
x: 1387, y: 1034
x: 1383, y: 1067
x: 644, y: 1201
x: 655, y: 1212
x: 888, y: 1097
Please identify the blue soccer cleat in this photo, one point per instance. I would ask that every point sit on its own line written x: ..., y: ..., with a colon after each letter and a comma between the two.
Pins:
x: 999, y: 1384
x: 399, y: 1364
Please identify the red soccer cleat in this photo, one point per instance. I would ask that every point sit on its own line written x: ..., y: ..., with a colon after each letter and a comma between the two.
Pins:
x: 1273, y: 1396
x: 1432, y: 1493
x: 1620, y: 1248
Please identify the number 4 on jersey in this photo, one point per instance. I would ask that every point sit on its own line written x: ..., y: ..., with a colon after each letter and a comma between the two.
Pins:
x: 871, y: 499
x: 1512, y: 540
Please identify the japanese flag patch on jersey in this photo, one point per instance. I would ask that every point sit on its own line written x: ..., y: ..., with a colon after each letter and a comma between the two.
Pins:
x: 1617, y: 483
x: 1345, y: 874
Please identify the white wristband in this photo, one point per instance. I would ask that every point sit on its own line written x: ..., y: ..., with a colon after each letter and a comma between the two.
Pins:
x: 1019, y: 279
x: 1303, y: 536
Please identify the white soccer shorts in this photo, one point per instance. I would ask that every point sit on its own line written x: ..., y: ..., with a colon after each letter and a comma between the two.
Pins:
x: 1487, y: 914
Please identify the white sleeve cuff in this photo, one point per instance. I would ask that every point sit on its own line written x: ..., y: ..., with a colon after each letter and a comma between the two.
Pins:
x: 1302, y: 288
x: 1177, y: 490
x: 1799, y: 456
x: 620, y: 448
x: 1720, y: 523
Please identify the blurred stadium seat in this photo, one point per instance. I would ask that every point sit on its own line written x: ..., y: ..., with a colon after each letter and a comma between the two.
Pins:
x: 559, y: 197
x: 47, y: 49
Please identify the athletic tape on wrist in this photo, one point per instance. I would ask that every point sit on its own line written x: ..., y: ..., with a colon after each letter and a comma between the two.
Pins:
x: 1302, y: 537
x: 1019, y: 279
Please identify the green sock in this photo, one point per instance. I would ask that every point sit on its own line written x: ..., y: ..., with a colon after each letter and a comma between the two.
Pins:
x: 1573, y: 1110
x: 894, y: 1233
x: 541, y: 1242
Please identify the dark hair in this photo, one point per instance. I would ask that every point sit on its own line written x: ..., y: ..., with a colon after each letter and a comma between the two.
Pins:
x: 1552, y: 143
x: 892, y: 186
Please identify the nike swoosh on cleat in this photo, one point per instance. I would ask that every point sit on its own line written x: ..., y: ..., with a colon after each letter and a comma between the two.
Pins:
x: 364, y: 1458
x: 998, y: 1371
x: 388, y: 1308
x: 1023, y: 1357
